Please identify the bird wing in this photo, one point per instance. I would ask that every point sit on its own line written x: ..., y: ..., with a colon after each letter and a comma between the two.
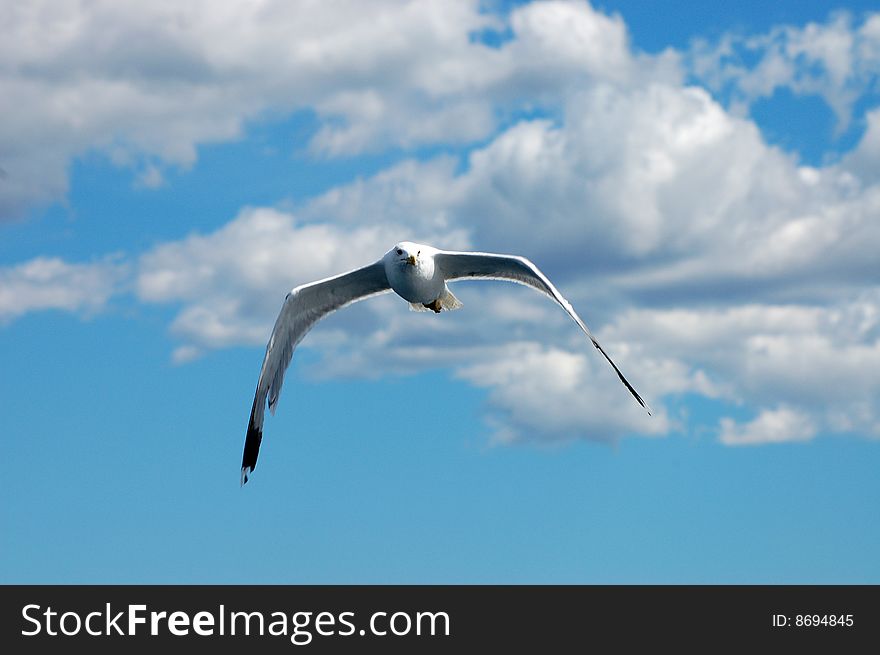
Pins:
x: 489, y: 266
x: 303, y: 307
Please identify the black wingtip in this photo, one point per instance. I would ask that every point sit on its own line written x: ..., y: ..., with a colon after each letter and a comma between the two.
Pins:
x: 626, y: 383
x: 251, y: 450
x: 635, y: 393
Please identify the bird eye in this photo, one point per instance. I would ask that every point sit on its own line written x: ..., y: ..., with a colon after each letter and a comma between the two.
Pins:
x: 399, y: 251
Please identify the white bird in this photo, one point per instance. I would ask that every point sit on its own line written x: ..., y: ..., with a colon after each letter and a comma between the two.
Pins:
x: 415, y: 272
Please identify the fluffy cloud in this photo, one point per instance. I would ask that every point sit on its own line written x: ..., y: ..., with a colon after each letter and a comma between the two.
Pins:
x: 647, y: 190
x: 834, y: 60
x: 232, y: 281
x: 864, y: 161
x: 51, y: 283
x: 771, y: 426
x: 819, y: 362
x: 537, y: 392
x: 755, y: 277
x: 147, y: 82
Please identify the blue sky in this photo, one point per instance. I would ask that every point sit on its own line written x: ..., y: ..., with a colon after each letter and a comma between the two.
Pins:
x: 701, y: 184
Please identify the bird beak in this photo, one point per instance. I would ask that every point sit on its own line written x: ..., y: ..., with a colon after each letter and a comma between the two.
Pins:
x: 411, y: 260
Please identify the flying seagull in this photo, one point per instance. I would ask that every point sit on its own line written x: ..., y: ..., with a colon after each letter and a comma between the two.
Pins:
x: 415, y: 272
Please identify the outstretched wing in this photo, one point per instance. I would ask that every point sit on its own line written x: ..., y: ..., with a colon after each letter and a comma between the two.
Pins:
x: 303, y: 307
x: 483, y: 265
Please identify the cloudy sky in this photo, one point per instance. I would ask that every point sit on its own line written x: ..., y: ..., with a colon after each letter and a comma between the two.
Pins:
x: 703, y: 184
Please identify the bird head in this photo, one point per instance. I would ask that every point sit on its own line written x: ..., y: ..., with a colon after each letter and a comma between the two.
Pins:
x: 406, y: 252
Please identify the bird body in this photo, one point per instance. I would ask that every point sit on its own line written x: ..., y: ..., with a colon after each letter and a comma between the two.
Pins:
x: 417, y: 273
x: 412, y: 274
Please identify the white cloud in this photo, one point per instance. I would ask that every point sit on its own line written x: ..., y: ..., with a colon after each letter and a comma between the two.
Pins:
x: 418, y: 196
x: 232, y: 281
x: 148, y: 83
x: 757, y: 277
x: 569, y: 40
x: 151, y: 81
x: 770, y: 426
x: 864, y: 161
x: 539, y: 393
x: 51, y: 283
x: 821, y: 362
x: 835, y: 60
x: 658, y: 192
x: 624, y: 168
x: 636, y: 190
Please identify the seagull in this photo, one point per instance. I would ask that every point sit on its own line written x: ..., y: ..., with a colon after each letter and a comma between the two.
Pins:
x: 415, y: 272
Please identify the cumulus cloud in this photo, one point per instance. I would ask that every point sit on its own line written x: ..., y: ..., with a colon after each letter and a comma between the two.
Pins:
x: 231, y: 282
x: 550, y: 393
x: 770, y: 426
x: 706, y: 261
x: 864, y: 161
x: 149, y: 83
x: 820, y: 362
x: 51, y: 283
x: 637, y: 189
x: 836, y: 60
